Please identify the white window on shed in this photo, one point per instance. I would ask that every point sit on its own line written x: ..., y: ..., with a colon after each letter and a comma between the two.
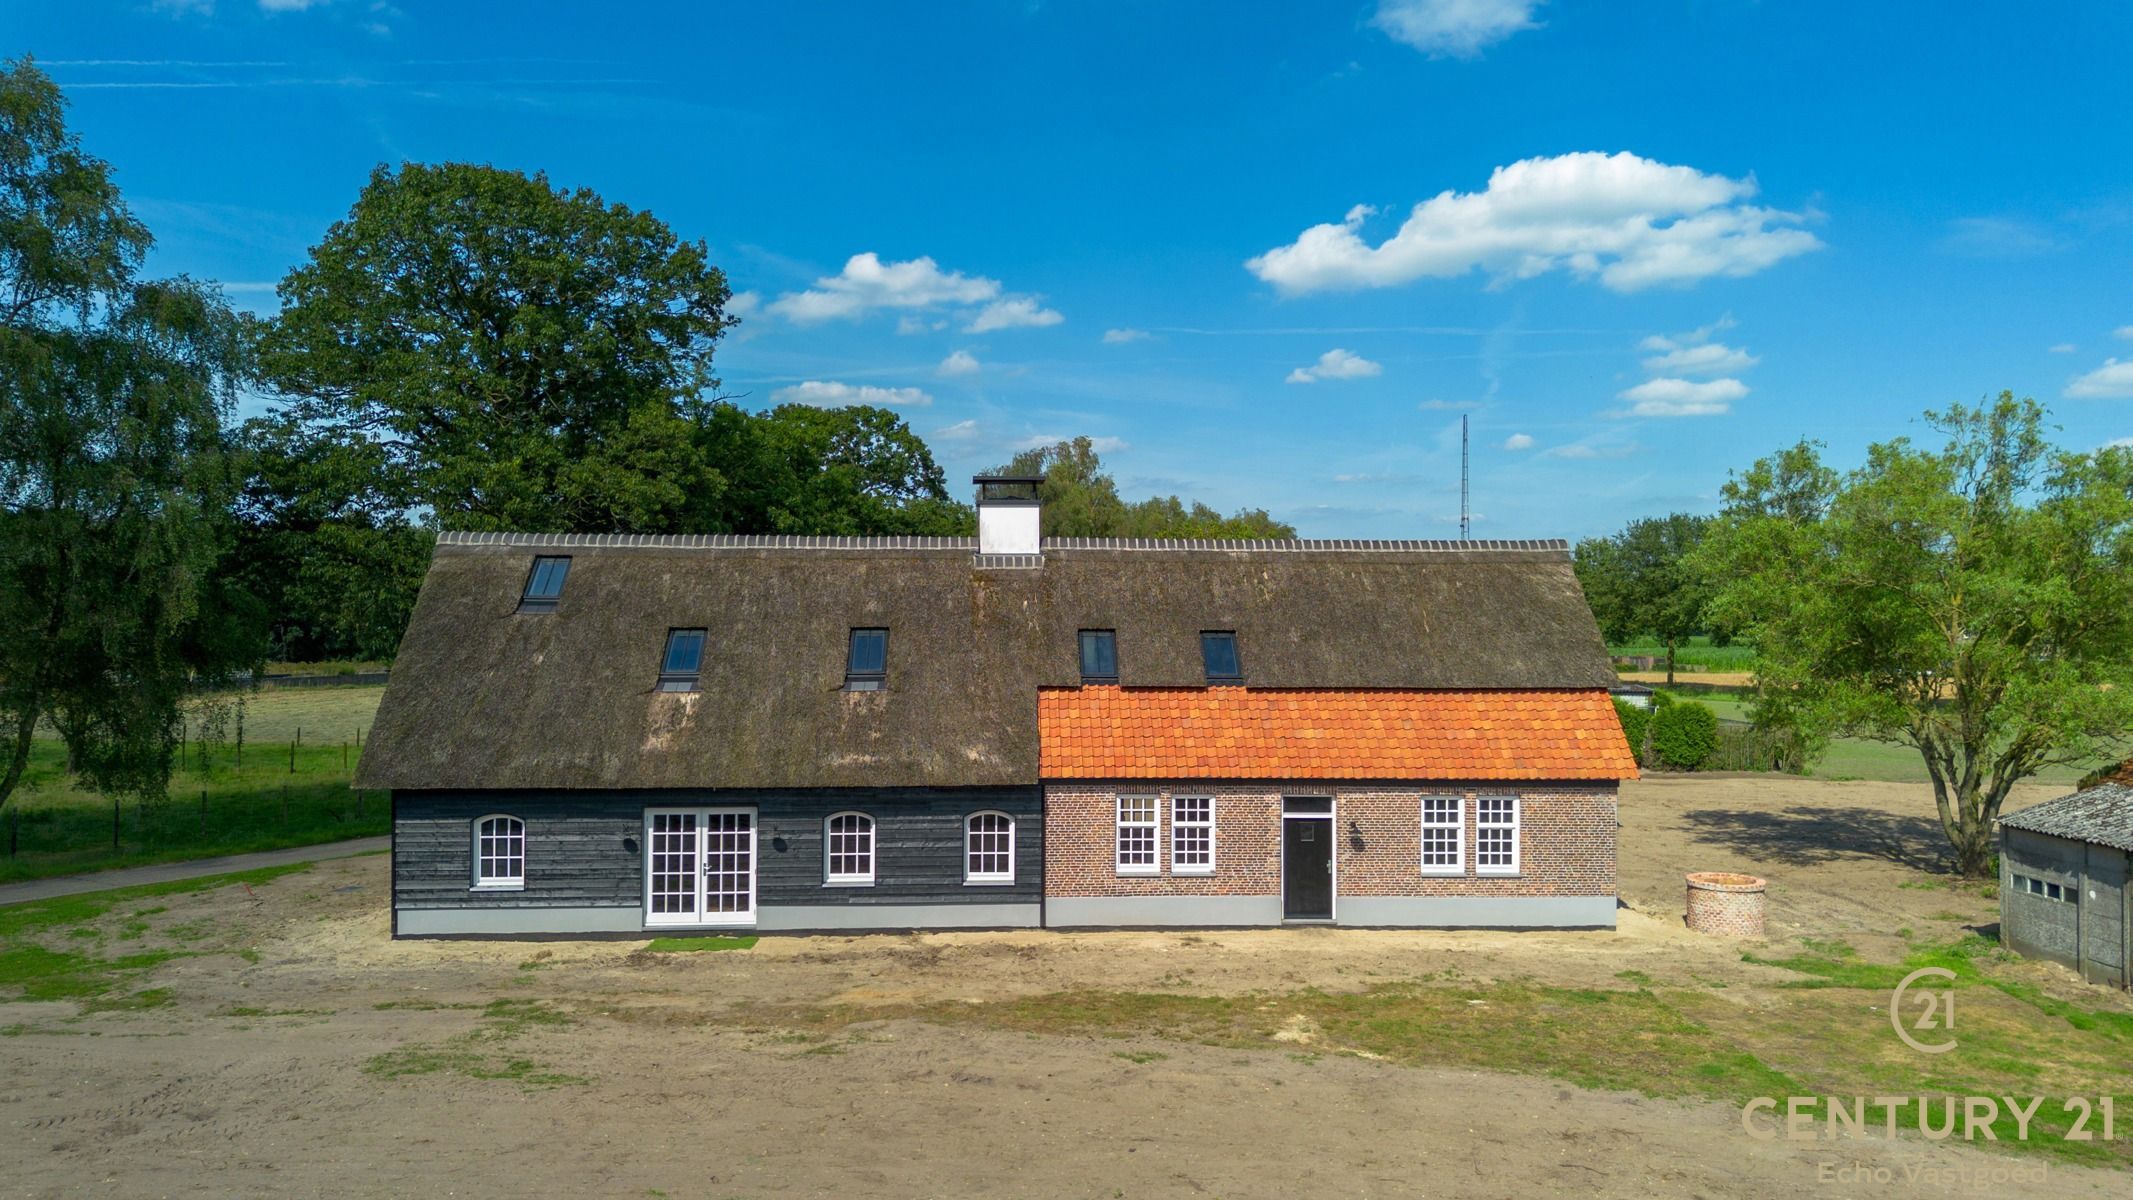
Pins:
x: 848, y: 848
x: 499, y: 852
x: 989, y: 848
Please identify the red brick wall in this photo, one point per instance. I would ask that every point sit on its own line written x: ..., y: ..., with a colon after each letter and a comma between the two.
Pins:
x: 1566, y: 841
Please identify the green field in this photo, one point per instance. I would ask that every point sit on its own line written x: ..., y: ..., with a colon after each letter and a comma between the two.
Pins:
x: 1858, y: 758
x: 1698, y: 652
x: 53, y: 827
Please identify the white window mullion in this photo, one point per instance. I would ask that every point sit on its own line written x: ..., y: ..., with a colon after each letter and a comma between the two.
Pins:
x: 1138, y: 833
x: 1192, y: 835
x: 1496, y: 835
x: 1444, y: 835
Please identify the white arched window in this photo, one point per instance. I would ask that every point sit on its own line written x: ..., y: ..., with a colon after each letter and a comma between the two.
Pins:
x: 989, y: 848
x: 499, y: 852
x: 848, y: 848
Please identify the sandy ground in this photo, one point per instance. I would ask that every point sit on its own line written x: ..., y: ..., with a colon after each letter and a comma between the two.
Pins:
x: 251, y: 1082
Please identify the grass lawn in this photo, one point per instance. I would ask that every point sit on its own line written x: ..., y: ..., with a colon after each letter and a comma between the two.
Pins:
x: 1697, y: 652
x: 1858, y: 758
x: 325, y: 714
x: 56, y: 828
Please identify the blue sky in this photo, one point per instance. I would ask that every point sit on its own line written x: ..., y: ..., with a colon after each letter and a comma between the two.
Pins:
x: 1268, y: 254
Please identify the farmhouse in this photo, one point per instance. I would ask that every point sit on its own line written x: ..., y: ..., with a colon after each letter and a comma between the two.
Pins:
x: 608, y: 734
x: 2064, y: 892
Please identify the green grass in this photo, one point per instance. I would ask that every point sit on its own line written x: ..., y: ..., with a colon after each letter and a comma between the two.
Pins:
x: 671, y: 945
x: 327, y: 715
x: 29, y: 971
x: 59, y: 828
x: 1698, y: 652
x: 488, y: 1051
x: 1857, y: 758
x: 338, y: 666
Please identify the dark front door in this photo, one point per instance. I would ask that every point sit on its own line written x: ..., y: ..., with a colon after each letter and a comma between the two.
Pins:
x: 1306, y: 869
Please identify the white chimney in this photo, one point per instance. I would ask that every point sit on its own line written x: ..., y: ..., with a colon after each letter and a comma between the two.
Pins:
x: 1007, y: 514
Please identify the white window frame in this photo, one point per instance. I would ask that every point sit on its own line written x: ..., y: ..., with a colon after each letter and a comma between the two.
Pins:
x: 1481, y: 805
x: 988, y: 878
x: 1154, y: 826
x: 830, y: 877
x: 499, y: 883
x: 1204, y: 868
x: 1456, y: 867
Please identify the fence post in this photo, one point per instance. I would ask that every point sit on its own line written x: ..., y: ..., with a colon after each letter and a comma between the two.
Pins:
x: 292, y: 748
x: 114, y: 824
x: 203, y: 813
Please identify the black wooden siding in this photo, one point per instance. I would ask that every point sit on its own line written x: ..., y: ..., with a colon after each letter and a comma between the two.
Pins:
x: 585, y: 848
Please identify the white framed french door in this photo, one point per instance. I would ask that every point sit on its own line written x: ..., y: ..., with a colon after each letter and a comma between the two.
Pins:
x: 699, y: 866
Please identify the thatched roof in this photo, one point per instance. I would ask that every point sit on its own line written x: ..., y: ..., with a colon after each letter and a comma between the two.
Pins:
x: 485, y: 697
x: 2102, y: 814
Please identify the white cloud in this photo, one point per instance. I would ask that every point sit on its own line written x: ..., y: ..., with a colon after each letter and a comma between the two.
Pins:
x: 1632, y: 222
x: 1711, y: 358
x: 2124, y: 443
x: 744, y: 304
x: 288, y: 5
x: 1119, y: 337
x: 822, y: 394
x: 2064, y: 348
x: 1518, y: 441
x: 1457, y: 28
x: 1336, y: 364
x: 867, y: 283
x: 2123, y: 333
x: 962, y: 362
x: 1585, y: 450
x: 908, y: 325
x: 961, y: 431
x: 1683, y: 397
x: 2111, y: 381
x: 1015, y: 312
x: 1997, y: 237
x: 1102, y: 445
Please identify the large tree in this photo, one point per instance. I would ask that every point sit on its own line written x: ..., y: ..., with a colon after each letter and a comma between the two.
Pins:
x: 855, y: 471
x: 114, y: 484
x: 1640, y: 584
x: 1972, y: 600
x: 504, y: 354
x: 1081, y: 500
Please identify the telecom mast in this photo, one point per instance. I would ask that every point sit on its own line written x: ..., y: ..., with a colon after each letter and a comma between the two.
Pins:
x: 1465, y: 523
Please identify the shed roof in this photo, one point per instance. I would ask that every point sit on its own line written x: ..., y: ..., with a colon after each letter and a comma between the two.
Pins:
x: 485, y: 697
x: 2102, y: 814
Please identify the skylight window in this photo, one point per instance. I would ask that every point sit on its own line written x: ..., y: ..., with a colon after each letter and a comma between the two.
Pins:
x: 1099, y: 656
x: 544, y: 584
x: 680, y: 669
x: 1218, y: 649
x: 866, y: 664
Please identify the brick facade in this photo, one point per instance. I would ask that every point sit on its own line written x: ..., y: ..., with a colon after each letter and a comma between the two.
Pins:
x: 1566, y: 840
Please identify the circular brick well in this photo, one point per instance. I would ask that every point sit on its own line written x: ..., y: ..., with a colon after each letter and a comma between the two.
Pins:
x: 1725, y: 904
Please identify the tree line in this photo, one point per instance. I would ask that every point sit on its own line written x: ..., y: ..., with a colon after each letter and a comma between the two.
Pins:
x: 468, y: 349
x: 1970, y: 597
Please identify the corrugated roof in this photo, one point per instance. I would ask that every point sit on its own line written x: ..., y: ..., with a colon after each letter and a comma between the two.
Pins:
x: 1249, y: 733
x: 484, y: 697
x: 2102, y: 814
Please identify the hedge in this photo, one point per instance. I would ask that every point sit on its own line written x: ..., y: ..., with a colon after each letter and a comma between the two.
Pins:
x: 1684, y: 735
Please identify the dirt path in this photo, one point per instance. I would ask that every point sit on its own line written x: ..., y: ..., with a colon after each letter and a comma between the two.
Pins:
x: 302, y: 1053
x: 192, y: 868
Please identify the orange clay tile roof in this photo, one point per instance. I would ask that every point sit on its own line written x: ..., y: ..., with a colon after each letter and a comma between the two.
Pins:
x: 1242, y: 733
